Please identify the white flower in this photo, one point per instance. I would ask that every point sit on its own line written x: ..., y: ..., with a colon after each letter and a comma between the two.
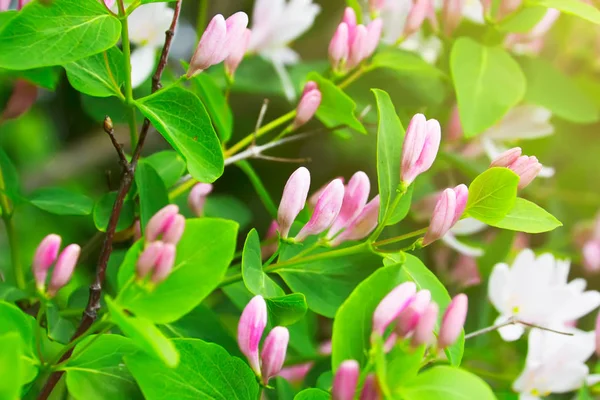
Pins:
x: 147, y: 26
x: 464, y: 227
x: 523, y: 122
x: 275, y: 24
x: 535, y: 290
x: 555, y: 363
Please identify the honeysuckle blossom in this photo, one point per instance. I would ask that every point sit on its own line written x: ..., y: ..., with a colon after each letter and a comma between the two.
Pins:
x: 275, y: 24
x: 555, y: 364
x: 535, y: 290
x: 147, y: 26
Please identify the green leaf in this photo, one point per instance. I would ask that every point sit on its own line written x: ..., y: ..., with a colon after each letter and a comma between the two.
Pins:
x: 203, y: 255
x: 312, y: 394
x: 216, y: 104
x: 10, y: 176
x: 446, y: 383
x: 337, y: 108
x: 61, y: 201
x: 339, y: 275
x: 287, y: 309
x: 156, y: 1
x: 228, y: 207
x: 206, y: 371
x: 528, y: 217
x: 492, y: 195
x: 144, y: 334
x: 100, y: 75
x: 96, y: 370
x: 47, y: 77
x: 551, y: 88
x: 152, y: 192
x: 180, y: 117
x: 60, y: 329
x: 41, y: 35
x: 11, y: 369
x: 255, y: 279
x: 13, y: 320
x: 169, y: 165
x: 523, y: 20
x: 103, y: 211
x: 488, y: 83
x: 573, y: 7
x: 390, y: 135
x: 403, y: 365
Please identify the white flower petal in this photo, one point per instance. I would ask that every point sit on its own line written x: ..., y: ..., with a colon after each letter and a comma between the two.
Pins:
x: 510, y: 333
x: 497, y: 287
x: 522, y: 122
x: 286, y: 81
x: 579, y: 306
x: 450, y: 240
x: 566, y: 378
x: 143, y: 60
x: 547, y: 172
x: 468, y: 226
x: 592, y: 379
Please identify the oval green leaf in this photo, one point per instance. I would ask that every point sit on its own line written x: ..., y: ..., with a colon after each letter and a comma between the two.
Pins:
x: 61, y: 201
x: 528, y: 217
x: 573, y: 7
x: 492, y: 195
x: 103, y: 211
x: 255, y: 279
x: 169, y: 165
x: 100, y: 75
x: 152, y: 192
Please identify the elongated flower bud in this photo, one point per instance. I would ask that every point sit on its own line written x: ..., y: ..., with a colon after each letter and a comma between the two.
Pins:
x: 508, y: 7
x: 409, y: 318
x: 23, y: 97
x: 527, y: 168
x: 421, y: 144
x: 45, y: 255
x: 392, y: 305
x: 423, y: 333
x: 250, y: 329
x: 164, y: 264
x: 236, y: 30
x: 293, y: 200
x: 338, y: 47
x: 374, y: 30
x: 448, y: 210
x: 358, y: 47
x: 345, y: 380
x: 326, y: 211
x: 273, y: 352
x: 362, y: 225
x: 349, y: 19
x: 416, y: 16
x: 160, y: 223
x: 148, y: 259
x: 236, y: 55
x: 452, y: 14
x: 175, y: 230
x: 308, y: 105
x: 312, y: 200
x: 507, y: 158
x: 65, y: 265
x: 356, y: 195
x: 453, y: 320
x: 209, y: 47
x: 4, y: 5
x: 370, y: 390
x: 591, y: 255
x: 197, y: 197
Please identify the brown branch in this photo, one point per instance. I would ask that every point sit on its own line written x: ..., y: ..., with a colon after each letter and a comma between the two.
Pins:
x: 108, y: 128
x: 91, y: 310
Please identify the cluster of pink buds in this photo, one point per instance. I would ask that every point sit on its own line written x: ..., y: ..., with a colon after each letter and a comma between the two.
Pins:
x: 420, y: 148
x: 223, y: 40
x: 415, y: 316
x: 340, y: 210
x: 527, y: 167
x: 308, y: 105
x: 449, y: 208
x: 352, y: 43
x: 197, y: 197
x: 250, y: 330
x: 163, y: 232
x: 346, y: 380
x: 46, y: 254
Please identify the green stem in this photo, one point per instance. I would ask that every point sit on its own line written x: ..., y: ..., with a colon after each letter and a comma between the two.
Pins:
x: 260, y: 132
x: 87, y: 345
x: 201, y: 19
x: 359, y: 248
x: 128, y: 87
x: 231, y: 279
x: 401, y: 237
x: 258, y: 187
x: 11, y: 234
x: 401, y: 191
x: 354, y: 76
x: 38, y: 335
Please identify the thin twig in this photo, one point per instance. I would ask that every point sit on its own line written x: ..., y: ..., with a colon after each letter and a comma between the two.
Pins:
x: 108, y: 128
x: 512, y: 321
x: 259, y: 120
x: 91, y: 310
x: 256, y: 151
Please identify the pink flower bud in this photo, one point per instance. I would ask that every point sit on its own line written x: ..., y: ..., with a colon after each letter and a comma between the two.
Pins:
x: 312, y: 200
x: 465, y: 271
x: 148, y: 259
x: 325, y: 348
x: 293, y: 200
x: 296, y: 373
x: 175, y: 230
x: 250, y: 329
x: 67, y: 260
x: 308, y: 105
x: 362, y: 225
x: 392, y: 305
x: 162, y: 222
x: 358, y: 47
x: 109, y: 3
x: 345, y: 380
x: 527, y: 168
x: 448, y: 210
x: 197, y: 197
x: 452, y: 15
x: 409, y: 318
x: 45, y: 255
x: 507, y: 158
x: 416, y: 16
x: 487, y: 6
x: 421, y: 144
x: 591, y: 256
x: 423, y: 333
x: 598, y: 335
x: 209, y: 47
x: 236, y: 55
x: 273, y: 352
x: 4, y: 5
x: 326, y: 211
x: 164, y: 264
x: 370, y: 390
x: 453, y: 321
x: 338, y: 47
x: 374, y: 30
x: 356, y: 195
x: 23, y: 96
x: 349, y: 19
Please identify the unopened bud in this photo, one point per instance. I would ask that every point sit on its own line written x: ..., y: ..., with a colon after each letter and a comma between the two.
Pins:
x: 507, y: 158
x: 167, y: 223
x: 65, y: 265
x: 423, y: 333
x: 236, y: 55
x: 453, y: 321
x: 448, y: 210
x: 148, y: 259
x: 421, y: 144
x: 45, y: 255
x: 358, y: 47
x: 338, y: 47
x: 164, y: 264
x: 308, y: 105
x: 370, y: 390
x: 374, y: 30
x: 416, y: 16
x: 293, y: 200
x: 409, y: 318
x: 591, y: 255
x: 197, y: 197
x: 345, y: 380
x: 356, y: 194
x: 392, y: 305
x: 250, y: 329
x: 326, y: 211
x: 108, y: 124
x: 273, y: 352
x: 362, y: 225
x: 452, y: 14
x: 209, y: 47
